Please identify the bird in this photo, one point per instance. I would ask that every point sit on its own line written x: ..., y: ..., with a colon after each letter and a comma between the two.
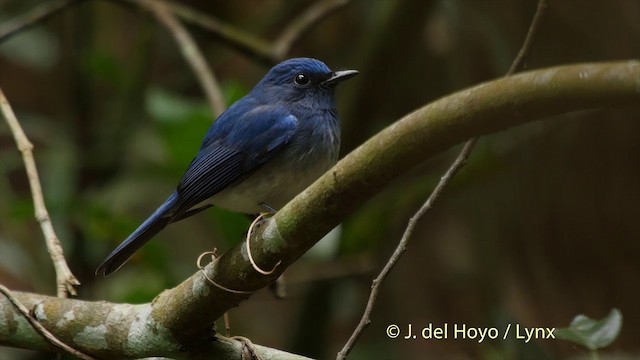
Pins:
x: 258, y: 155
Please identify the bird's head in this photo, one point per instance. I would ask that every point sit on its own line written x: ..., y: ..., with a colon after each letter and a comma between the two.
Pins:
x: 302, y: 81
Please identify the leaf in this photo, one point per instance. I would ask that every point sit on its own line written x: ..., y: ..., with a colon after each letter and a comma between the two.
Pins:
x: 590, y: 333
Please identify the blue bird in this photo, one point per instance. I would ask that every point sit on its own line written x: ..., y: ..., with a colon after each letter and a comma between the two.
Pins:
x: 260, y: 153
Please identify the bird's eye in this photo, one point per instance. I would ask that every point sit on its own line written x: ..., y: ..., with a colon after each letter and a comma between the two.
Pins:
x: 302, y: 80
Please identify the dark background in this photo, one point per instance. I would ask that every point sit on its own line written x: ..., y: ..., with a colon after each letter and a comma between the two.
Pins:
x: 540, y: 226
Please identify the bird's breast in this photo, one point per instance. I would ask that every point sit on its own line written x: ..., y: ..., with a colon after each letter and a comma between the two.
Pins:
x: 274, y: 184
x: 293, y: 169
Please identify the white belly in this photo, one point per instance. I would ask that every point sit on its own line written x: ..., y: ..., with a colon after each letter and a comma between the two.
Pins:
x: 267, y: 186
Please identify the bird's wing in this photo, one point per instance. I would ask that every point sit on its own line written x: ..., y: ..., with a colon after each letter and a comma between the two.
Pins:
x: 236, y: 147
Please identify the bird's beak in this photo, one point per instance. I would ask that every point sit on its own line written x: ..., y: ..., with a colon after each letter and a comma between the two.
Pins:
x: 337, y: 77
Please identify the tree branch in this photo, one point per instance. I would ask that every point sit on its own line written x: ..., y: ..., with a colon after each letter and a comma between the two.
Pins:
x: 303, y: 23
x: 65, y: 279
x: 38, y: 327
x: 33, y: 17
x: 483, y: 109
x: 523, y: 55
x: 109, y: 331
x: 458, y: 163
x: 365, y: 320
x: 266, y: 52
x: 244, y: 42
x: 182, y: 316
x: 191, y: 53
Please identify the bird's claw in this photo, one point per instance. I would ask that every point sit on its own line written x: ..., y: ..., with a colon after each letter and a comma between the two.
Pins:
x: 248, y: 348
x: 260, y: 217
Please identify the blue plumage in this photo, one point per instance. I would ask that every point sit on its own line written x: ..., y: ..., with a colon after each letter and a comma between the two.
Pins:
x: 260, y: 153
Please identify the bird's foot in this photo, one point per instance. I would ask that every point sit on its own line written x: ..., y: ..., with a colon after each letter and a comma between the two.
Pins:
x: 269, y: 209
x: 279, y: 287
x: 227, y: 324
x: 258, y: 219
x: 248, y: 348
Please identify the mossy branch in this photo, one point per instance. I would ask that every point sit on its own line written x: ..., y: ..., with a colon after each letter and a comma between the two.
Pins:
x: 180, y: 318
x: 477, y: 111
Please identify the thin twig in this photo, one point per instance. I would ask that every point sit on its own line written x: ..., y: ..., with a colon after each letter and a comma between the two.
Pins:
x: 457, y: 164
x: 191, y: 53
x: 64, y: 278
x: 261, y: 50
x: 520, y: 61
x: 303, y: 23
x: 34, y: 16
x: 39, y: 327
x: 402, y: 245
x: 241, y: 40
x: 246, y: 43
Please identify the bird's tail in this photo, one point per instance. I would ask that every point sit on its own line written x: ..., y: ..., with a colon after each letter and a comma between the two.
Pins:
x: 149, y: 228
